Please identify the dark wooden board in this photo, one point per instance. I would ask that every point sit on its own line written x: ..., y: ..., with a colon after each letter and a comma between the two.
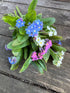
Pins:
x: 57, y: 79
x: 62, y: 16
x: 58, y: 4
x: 11, y: 85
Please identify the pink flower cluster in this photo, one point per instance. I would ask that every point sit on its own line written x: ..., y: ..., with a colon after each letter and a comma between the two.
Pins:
x: 40, y: 54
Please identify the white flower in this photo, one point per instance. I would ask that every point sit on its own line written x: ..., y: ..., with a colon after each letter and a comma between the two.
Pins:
x: 59, y: 63
x: 61, y: 58
x: 38, y: 39
x: 41, y: 43
x: 53, y: 29
x: 48, y: 28
x: 55, y: 33
x: 50, y: 33
x: 62, y: 52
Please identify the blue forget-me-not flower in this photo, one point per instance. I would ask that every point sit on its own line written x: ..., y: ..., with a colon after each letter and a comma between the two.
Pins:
x: 34, y: 28
x: 12, y: 60
x: 20, y: 23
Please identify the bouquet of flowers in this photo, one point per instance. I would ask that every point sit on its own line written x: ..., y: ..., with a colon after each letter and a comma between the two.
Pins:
x: 34, y: 40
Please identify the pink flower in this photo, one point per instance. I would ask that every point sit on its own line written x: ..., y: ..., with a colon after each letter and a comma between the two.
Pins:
x: 40, y: 57
x: 34, y: 59
x: 50, y: 43
x: 34, y: 55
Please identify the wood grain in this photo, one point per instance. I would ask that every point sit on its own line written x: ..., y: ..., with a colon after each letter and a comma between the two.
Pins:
x: 58, y: 4
x: 62, y: 17
x: 11, y: 85
x: 57, y: 79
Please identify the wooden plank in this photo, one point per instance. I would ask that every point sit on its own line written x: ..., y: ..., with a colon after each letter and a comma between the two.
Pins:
x: 10, y: 85
x: 47, y: 3
x: 57, y: 79
x: 62, y: 16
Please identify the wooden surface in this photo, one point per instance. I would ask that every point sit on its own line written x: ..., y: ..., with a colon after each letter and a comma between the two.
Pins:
x: 55, y: 80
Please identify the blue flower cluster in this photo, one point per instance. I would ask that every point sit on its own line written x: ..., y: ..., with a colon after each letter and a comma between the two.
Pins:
x: 59, y: 42
x: 12, y: 60
x: 34, y: 28
x: 20, y: 23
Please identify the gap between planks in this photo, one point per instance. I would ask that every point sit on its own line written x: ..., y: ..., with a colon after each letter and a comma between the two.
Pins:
x: 27, y: 82
x: 55, y: 4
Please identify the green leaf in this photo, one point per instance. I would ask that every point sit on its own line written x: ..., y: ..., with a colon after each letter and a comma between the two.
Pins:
x: 22, y: 30
x: 48, y: 21
x: 34, y: 47
x: 12, y: 28
x: 39, y: 68
x: 58, y: 48
x: 14, y: 35
x: 39, y: 16
x: 26, y: 64
x: 32, y: 6
x: 11, y: 20
x: 16, y: 52
x: 43, y: 65
x: 46, y: 56
x: 20, y: 39
x: 26, y: 43
x: 15, y: 66
x: 16, y: 14
x: 25, y: 53
x: 30, y: 16
x: 53, y: 54
x: 18, y: 10
x: 56, y: 38
x: 44, y: 35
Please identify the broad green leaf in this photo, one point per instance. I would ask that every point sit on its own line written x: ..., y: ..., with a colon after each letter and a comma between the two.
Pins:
x: 25, y: 53
x: 26, y: 43
x: 30, y: 16
x: 32, y: 6
x: 15, y: 66
x: 26, y: 64
x: 20, y: 39
x: 11, y: 20
x: 58, y: 48
x: 43, y: 65
x: 48, y: 21
x: 46, y: 56
x: 16, y: 52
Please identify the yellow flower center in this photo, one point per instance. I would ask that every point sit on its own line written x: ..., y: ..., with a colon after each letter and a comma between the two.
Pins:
x: 40, y: 42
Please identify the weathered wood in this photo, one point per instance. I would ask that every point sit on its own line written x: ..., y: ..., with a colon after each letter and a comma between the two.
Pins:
x: 10, y: 85
x: 62, y: 16
x: 46, y: 3
x: 57, y: 79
